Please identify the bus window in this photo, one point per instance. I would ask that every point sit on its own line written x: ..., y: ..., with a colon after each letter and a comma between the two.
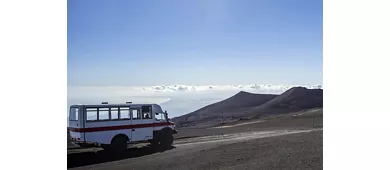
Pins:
x: 74, y: 114
x: 92, y: 114
x: 104, y: 114
x: 135, y: 114
x: 146, y: 112
x: 124, y: 113
x: 114, y: 113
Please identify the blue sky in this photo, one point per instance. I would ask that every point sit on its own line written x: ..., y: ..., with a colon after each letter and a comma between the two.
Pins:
x: 143, y: 43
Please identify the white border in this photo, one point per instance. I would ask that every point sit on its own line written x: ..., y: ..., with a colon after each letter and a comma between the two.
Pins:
x: 33, y: 84
x: 33, y: 72
x: 356, y: 48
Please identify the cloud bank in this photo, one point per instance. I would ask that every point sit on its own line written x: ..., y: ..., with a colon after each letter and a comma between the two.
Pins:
x: 81, y: 91
x: 177, y: 99
x: 250, y: 87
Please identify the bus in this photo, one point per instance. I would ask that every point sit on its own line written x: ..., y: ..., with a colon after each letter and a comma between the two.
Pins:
x: 114, y: 126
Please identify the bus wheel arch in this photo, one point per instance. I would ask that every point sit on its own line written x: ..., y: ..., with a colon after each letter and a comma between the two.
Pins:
x: 167, y: 131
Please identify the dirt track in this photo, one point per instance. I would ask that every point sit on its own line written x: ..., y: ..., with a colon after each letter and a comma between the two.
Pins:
x: 299, y: 120
x: 294, y: 149
x: 261, y: 145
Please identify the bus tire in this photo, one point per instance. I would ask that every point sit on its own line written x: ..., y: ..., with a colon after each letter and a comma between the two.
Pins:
x: 119, y: 144
x: 154, y: 142
x: 166, y: 140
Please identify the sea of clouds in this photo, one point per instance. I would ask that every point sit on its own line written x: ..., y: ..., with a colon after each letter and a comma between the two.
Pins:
x: 176, y: 99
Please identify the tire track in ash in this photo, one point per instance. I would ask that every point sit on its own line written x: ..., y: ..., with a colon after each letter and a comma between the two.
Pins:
x: 238, y: 137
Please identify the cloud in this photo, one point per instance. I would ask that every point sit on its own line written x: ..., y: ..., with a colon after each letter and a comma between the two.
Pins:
x: 163, y: 93
x: 155, y: 90
x: 177, y: 99
x: 250, y: 87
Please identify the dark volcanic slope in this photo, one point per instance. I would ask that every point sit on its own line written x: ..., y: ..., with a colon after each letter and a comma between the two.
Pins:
x: 239, y: 101
x: 245, y: 105
x: 294, y: 99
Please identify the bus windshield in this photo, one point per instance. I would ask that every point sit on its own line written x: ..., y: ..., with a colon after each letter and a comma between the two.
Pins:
x: 160, y: 117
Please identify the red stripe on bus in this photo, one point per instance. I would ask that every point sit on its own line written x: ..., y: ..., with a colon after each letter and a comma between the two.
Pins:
x: 107, y: 128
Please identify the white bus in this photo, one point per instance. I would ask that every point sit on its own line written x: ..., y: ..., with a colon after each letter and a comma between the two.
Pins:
x: 114, y: 126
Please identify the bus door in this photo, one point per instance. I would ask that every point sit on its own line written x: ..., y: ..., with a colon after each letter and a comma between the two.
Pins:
x: 136, y: 122
x: 142, y: 126
x: 147, y: 121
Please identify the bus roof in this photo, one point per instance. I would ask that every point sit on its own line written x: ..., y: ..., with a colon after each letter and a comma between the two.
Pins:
x: 113, y: 105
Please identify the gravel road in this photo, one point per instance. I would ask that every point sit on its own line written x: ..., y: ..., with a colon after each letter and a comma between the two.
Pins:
x: 277, y: 149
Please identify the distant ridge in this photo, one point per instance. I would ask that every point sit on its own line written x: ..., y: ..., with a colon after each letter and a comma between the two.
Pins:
x: 244, y: 104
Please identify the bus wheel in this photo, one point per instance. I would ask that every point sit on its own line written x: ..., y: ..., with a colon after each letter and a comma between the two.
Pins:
x: 119, y: 144
x: 154, y: 142
x: 166, y: 141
